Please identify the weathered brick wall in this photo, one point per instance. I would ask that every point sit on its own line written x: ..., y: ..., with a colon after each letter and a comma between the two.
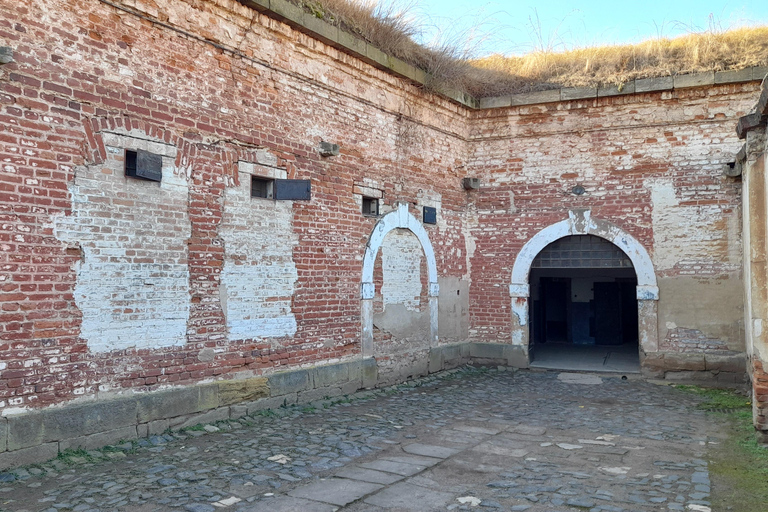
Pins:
x: 111, y: 283
x: 650, y: 164
x: 760, y: 398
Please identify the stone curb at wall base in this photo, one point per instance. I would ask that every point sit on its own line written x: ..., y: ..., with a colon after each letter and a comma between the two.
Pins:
x: 38, y: 436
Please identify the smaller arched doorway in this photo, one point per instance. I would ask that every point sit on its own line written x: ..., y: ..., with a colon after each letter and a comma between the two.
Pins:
x: 583, y: 306
x: 397, y: 219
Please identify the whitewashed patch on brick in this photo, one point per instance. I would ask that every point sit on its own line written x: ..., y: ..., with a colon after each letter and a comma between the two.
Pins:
x: 133, y: 280
x: 259, y: 276
x: 691, y: 234
x: 401, y: 256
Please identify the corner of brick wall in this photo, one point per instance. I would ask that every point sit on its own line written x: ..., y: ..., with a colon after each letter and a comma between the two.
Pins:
x: 760, y: 398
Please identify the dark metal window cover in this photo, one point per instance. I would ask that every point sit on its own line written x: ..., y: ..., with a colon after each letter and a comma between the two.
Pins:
x: 582, y: 251
x: 296, y: 190
x: 144, y: 165
x: 430, y: 215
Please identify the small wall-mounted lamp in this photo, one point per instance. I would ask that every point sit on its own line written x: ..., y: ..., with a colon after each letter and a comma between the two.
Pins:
x: 328, y: 149
x: 470, y: 183
x: 6, y: 54
x: 578, y: 190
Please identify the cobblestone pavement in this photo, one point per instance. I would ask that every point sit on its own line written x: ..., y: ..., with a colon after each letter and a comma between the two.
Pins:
x: 463, y: 440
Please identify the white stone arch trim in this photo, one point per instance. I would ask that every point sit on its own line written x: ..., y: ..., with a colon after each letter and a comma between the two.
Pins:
x: 398, y: 219
x: 402, y: 219
x: 580, y: 222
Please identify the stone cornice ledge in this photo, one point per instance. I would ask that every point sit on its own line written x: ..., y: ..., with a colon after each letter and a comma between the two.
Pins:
x: 306, y: 22
x: 641, y: 85
x: 757, y: 118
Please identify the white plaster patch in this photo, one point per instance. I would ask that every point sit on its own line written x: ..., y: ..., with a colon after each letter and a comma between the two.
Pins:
x: 520, y: 310
x: 401, y: 257
x: 133, y: 281
x: 259, y: 275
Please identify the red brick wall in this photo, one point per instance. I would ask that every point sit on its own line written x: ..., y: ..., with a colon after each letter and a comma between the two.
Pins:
x: 760, y: 396
x: 83, y: 68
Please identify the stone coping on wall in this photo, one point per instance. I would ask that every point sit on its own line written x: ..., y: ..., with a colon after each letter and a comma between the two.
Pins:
x: 310, y: 24
x: 37, y: 436
x: 759, y: 117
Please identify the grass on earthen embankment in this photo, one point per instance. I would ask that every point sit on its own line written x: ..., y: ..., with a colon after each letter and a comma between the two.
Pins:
x: 393, y: 27
x: 739, y: 466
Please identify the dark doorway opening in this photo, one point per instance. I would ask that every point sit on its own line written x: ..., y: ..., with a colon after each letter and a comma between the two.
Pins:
x: 584, y: 307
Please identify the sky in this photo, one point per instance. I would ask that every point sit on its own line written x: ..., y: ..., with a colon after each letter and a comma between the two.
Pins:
x: 517, y: 27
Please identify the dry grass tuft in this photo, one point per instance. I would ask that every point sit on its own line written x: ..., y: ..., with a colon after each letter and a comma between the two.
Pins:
x: 604, y: 65
x: 390, y: 28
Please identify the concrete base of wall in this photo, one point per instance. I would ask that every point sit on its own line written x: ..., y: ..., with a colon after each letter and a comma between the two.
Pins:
x: 38, y: 436
x: 719, y: 370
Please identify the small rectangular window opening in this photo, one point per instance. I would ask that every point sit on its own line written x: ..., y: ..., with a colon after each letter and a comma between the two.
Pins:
x: 429, y: 215
x: 262, y: 187
x: 143, y: 165
x: 370, y: 206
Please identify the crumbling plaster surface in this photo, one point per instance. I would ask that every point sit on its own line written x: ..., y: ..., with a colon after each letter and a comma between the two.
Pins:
x: 404, y: 316
x: 133, y: 279
x: 696, y: 236
x: 259, y: 275
x: 401, y: 260
x: 711, y: 308
x: 453, y: 310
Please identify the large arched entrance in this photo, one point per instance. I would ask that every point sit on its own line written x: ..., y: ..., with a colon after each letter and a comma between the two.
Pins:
x: 583, y: 307
x: 574, y: 287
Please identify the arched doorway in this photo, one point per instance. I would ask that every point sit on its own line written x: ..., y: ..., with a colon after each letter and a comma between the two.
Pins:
x: 583, y: 307
x: 580, y: 222
x: 398, y: 219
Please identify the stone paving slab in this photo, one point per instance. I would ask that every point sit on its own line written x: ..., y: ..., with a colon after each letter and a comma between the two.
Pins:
x: 414, y: 460
x: 369, y: 475
x: 455, y: 437
x: 489, y: 430
x: 337, y: 491
x: 390, y: 466
x: 427, y: 450
x: 500, y: 449
x: 287, y: 504
x: 405, y: 496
